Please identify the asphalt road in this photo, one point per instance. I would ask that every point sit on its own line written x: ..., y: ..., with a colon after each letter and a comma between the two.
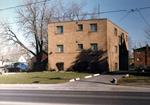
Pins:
x: 47, y: 97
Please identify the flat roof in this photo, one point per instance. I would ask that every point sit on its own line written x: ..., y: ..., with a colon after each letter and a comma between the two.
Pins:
x: 142, y: 48
x: 76, y: 20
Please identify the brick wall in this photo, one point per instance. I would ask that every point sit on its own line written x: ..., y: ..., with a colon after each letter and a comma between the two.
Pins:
x: 70, y: 38
x: 142, y: 57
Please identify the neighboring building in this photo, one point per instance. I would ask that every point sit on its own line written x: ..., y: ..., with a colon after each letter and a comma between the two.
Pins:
x: 22, y: 59
x: 69, y: 43
x: 142, y: 57
x: 11, y: 53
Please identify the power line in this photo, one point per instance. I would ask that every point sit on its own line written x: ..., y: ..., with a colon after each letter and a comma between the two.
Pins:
x: 18, y: 6
x: 144, y: 8
x: 143, y: 18
x: 126, y: 15
x: 8, y: 8
x: 104, y: 12
x: 139, y: 11
x: 84, y: 14
x: 113, y: 11
x: 88, y: 14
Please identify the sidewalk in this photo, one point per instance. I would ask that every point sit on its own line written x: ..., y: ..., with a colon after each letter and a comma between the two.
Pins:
x: 91, y: 84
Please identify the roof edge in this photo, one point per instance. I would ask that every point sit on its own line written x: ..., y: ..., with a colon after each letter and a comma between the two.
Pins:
x: 76, y: 20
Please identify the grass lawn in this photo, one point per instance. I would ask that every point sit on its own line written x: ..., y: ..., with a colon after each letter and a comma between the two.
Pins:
x: 135, y: 81
x: 40, y: 77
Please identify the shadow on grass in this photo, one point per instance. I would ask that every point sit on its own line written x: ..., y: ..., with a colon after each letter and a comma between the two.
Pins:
x: 53, y: 78
x: 133, y: 72
x: 56, y: 78
x: 36, y: 82
x: 36, y: 77
x: 50, y: 79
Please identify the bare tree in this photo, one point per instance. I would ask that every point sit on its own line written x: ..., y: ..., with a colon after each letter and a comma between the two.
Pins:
x: 10, y: 36
x: 130, y: 43
x: 73, y: 11
x: 33, y: 21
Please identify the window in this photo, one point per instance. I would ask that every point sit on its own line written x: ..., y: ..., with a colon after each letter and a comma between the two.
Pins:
x: 60, y: 48
x: 126, y: 38
x: 115, y: 31
x: 120, y: 40
x: 60, y: 29
x: 116, y: 49
x: 80, y: 46
x: 122, y: 36
x: 116, y: 66
x: 138, y: 59
x: 80, y: 27
x: 60, y: 66
x: 94, y: 46
x: 93, y: 27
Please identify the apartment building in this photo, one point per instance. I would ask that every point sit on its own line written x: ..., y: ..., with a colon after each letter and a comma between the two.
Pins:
x: 95, y: 44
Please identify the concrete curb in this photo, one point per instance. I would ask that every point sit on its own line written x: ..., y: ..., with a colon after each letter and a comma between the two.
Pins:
x: 72, y: 80
x: 86, y: 77
x: 77, y: 79
x: 89, y: 76
x: 96, y: 75
x: 67, y: 87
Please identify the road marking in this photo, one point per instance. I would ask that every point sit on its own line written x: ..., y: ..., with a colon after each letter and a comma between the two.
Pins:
x: 96, y: 75
x: 72, y: 80
x: 77, y: 79
x: 89, y: 76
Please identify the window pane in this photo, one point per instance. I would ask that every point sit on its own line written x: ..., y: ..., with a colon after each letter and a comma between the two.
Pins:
x: 60, y: 29
x: 80, y: 27
x: 60, y: 48
x: 80, y: 46
x: 116, y: 66
x: 93, y: 27
x: 116, y: 49
x: 94, y: 47
x: 60, y: 66
x: 115, y: 31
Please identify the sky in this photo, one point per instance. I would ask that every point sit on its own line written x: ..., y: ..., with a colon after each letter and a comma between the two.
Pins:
x: 132, y: 23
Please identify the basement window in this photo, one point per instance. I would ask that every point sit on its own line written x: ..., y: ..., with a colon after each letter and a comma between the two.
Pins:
x: 116, y: 66
x: 80, y: 47
x: 60, y: 66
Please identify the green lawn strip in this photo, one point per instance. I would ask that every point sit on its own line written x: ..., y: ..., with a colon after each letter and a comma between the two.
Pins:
x: 40, y: 77
x: 135, y: 80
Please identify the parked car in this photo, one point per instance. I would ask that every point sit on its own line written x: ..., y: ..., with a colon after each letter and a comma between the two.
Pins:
x: 22, y: 66
x: 17, y: 67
